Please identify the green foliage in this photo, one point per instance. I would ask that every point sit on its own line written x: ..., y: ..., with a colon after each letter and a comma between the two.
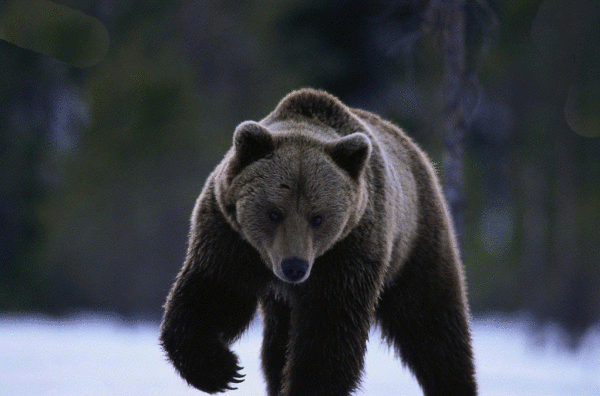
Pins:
x: 129, y: 178
x: 21, y: 188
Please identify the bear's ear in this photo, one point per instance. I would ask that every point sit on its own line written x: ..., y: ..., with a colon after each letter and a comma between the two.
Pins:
x: 351, y: 153
x: 251, y: 142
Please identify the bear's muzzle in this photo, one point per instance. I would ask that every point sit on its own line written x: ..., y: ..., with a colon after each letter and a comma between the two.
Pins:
x: 294, y: 270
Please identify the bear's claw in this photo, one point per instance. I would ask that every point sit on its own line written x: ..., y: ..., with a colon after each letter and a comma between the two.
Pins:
x: 237, y: 378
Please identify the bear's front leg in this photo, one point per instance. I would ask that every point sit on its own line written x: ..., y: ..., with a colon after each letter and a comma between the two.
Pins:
x: 212, y: 302
x: 202, y: 318
x: 276, y: 334
x: 328, y: 337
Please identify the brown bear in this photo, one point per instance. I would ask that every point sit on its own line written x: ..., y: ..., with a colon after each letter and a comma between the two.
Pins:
x: 330, y: 220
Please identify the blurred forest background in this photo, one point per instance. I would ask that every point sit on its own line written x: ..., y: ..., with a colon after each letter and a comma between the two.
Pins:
x: 100, y: 166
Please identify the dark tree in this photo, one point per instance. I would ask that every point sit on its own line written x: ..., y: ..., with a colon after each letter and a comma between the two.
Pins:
x: 446, y: 18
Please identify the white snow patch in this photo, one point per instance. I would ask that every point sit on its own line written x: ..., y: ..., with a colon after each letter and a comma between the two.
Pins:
x: 100, y: 355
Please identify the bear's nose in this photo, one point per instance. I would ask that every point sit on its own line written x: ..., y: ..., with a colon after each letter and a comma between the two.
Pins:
x: 294, y: 269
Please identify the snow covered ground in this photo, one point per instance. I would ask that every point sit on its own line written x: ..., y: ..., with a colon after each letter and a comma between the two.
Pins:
x: 100, y: 355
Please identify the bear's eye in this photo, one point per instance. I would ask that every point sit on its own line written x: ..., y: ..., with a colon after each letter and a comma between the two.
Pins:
x: 316, y: 220
x: 275, y: 216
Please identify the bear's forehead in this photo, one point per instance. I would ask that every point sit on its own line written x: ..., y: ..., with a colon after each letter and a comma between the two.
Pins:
x: 294, y: 171
x: 298, y: 164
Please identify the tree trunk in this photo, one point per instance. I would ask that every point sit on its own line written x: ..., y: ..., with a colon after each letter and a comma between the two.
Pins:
x: 535, y: 226
x: 572, y: 306
x: 448, y: 18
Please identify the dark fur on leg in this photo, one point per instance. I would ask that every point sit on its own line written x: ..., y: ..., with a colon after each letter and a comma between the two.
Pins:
x: 276, y: 334
x: 208, y: 309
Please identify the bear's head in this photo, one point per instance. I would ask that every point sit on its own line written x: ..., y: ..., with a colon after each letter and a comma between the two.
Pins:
x: 293, y: 191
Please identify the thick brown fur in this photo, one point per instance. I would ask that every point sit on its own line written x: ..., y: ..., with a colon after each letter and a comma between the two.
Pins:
x: 330, y: 220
